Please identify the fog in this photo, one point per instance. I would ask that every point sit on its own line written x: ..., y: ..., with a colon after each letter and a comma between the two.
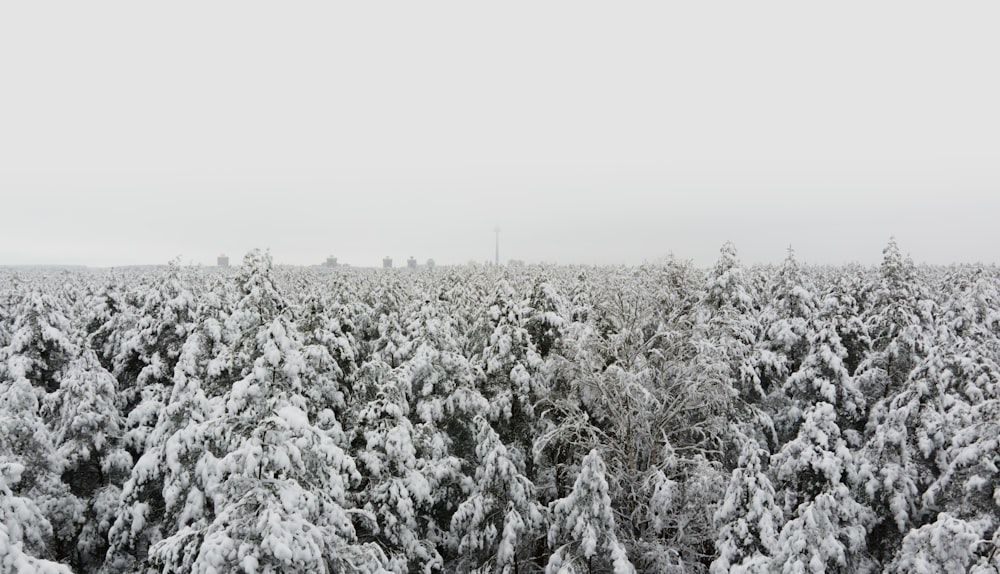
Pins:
x: 589, y: 132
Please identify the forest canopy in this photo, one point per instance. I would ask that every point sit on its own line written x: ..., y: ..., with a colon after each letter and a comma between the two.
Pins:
x: 660, y: 418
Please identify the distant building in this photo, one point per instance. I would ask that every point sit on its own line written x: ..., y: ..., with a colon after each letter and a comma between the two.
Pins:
x: 387, y: 262
x: 331, y: 261
x: 222, y: 260
x: 411, y: 262
x: 430, y: 264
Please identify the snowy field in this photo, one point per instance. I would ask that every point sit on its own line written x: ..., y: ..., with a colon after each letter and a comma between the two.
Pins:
x: 660, y: 418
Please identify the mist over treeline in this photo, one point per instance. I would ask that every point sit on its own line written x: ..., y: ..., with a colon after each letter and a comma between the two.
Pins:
x: 516, y: 419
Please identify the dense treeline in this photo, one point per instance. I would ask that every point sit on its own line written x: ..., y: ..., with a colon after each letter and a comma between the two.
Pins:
x: 477, y: 419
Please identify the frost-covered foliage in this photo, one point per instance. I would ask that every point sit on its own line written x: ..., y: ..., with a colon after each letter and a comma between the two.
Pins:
x: 660, y: 419
x: 86, y: 420
x: 497, y: 524
x: 582, y: 529
x: 40, y: 343
x: 749, y: 518
x: 23, y: 529
x: 398, y: 489
x: 826, y: 526
x: 946, y: 545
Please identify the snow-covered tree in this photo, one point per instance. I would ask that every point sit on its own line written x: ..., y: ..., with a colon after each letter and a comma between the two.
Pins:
x: 87, y: 426
x: 749, y: 519
x: 842, y: 305
x: 823, y: 376
x: 496, y: 525
x: 787, y: 317
x: 273, y: 484
x: 582, y: 532
x: 277, y: 483
x: 729, y: 326
x: 165, y: 492
x: 26, y: 441
x: 329, y: 352
x: 898, y: 325
x: 512, y: 364
x: 24, y: 530
x: 546, y: 317
x: 145, y: 362
x: 949, y: 545
x: 40, y: 340
x: 826, y: 526
x: 398, y: 493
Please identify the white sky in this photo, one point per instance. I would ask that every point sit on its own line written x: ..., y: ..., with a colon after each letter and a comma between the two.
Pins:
x: 591, y: 132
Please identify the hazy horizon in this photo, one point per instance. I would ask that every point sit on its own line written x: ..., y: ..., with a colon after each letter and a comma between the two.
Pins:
x: 591, y: 133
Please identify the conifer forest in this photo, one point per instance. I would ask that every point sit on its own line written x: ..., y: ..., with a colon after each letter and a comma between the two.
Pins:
x: 661, y: 418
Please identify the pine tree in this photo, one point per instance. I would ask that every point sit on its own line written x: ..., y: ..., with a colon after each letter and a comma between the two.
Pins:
x: 279, y: 482
x: 898, y: 326
x: 496, y: 524
x: 24, y: 531
x: 511, y: 363
x: 749, y: 518
x: 948, y: 544
x: 400, y: 489
x: 87, y: 426
x: 150, y: 351
x: 729, y: 326
x: 40, y: 341
x: 826, y: 528
x: 26, y: 441
x: 843, y: 307
x: 165, y: 492
x: 789, y: 315
x: 329, y: 352
x: 546, y: 318
x: 274, y: 482
x: 582, y: 531
x: 823, y: 376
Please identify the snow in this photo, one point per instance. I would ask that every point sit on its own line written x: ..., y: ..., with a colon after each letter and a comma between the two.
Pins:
x: 479, y: 419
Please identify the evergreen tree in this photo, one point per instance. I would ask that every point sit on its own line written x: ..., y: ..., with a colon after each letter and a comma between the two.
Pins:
x: 496, y: 524
x: 826, y: 528
x: 843, y: 307
x: 274, y: 483
x: 582, y: 531
x: 749, y: 518
x: 150, y: 351
x: 40, y: 341
x: 546, y: 317
x: 823, y: 376
x: 399, y: 487
x: 729, y: 327
x: 329, y: 352
x: 87, y: 427
x: 897, y: 324
x: 788, y: 317
x: 26, y: 441
x: 166, y: 491
x: 24, y: 531
x: 511, y: 363
x: 279, y: 482
x: 948, y: 544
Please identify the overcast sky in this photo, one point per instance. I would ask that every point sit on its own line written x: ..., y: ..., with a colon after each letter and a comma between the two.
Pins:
x: 591, y: 132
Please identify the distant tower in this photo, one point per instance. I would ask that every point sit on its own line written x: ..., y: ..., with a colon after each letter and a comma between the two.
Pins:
x: 430, y: 264
x: 387, y: 262
x: 497, y: 256
x: 411, y: 262
x: 222, y: 260
x: 331, y: 261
